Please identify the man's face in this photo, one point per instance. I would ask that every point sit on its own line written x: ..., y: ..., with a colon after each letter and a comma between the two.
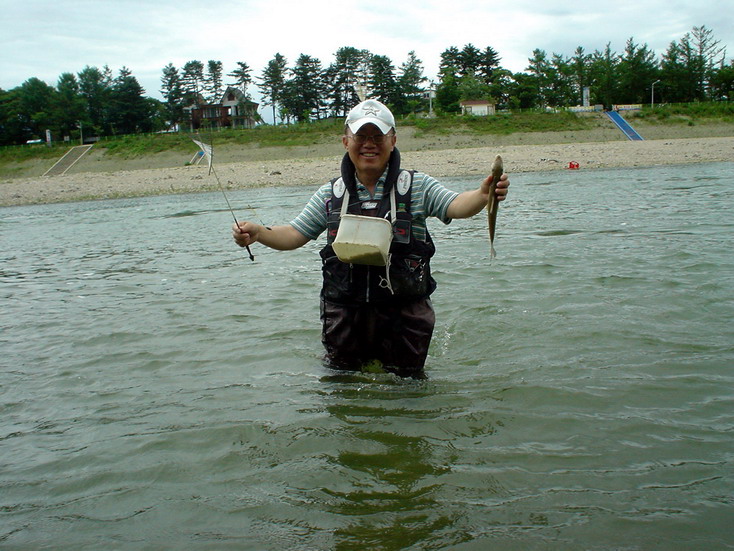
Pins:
x: 369, y: 157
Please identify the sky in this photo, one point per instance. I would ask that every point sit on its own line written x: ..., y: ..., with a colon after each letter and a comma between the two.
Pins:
x: 45, y: 38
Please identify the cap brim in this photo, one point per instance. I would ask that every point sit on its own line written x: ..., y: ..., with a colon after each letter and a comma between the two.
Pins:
x: 359, y: 123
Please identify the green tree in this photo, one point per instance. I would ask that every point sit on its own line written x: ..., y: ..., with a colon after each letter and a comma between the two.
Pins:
x: 192, y: 82
x: 710, y: 55
x: 450, y: 63
x: 272, y: 82
x: 242, y: 77
x: 447, y: 91
x: 130, y: 111
x: 15, y: 124
x: 675, y: 74
x: 382, y: 81
x: 689, y: 65
x: 470, y: 60
x: 411, y: 85
x: 524, y: 92
x: 343, y: 75
x: 213, y: 80
x: 539, y: 68
x: 466, y: 69
x: 68, y: 107
x: 305, y: 89
x: 580, y: 66
x: 288, y: 103
x: 638, y: 69
x: 36, y: 100
x: 448, y: 94
x: 158, y: 115
x: 722, y: 83
x: 488, y: 66
x: 94, y: 87
x: 604, y: 72
x: 12, y: 129
x: 472, y: 88
x: 173, y: 94
x: 501, y: 87
x: 560, y: 82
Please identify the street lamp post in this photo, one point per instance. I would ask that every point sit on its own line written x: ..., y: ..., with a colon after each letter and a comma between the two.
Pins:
x: 431, y: 95
x: 652, y: 95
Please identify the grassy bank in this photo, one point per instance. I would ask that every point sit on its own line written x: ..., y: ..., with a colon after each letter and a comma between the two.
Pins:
x: 303, y: 139
x: 686, y: 113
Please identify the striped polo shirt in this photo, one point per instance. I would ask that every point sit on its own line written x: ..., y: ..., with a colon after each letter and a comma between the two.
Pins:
x: 428, y: 198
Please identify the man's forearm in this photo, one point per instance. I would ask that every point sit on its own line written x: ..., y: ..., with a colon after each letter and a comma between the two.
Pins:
x: 467, y: 204
x: 282, y: 238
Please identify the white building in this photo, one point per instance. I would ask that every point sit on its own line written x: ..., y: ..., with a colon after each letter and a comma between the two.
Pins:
x: 477, y: 107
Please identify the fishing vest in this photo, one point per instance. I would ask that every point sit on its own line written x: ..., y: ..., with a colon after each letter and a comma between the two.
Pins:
x: 407, y: 277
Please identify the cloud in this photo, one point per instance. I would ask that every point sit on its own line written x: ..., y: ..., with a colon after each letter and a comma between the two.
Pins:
x: 56, y: 36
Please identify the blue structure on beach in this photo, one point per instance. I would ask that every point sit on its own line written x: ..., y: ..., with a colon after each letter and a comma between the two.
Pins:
x: 623, y: 125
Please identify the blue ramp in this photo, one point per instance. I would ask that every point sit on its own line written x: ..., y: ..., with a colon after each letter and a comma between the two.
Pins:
x: 623, y: 125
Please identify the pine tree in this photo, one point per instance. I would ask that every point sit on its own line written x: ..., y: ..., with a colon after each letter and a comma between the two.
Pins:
x: 470, y: 59
x: 580, y: 67
x: 213, y: 81
x: 36, y: 98
x: 637, y: 71
x: 173, y: 94
x: 605, y: 72
x: 305, y: 89
x: 95, y: 87
x: 68, y: 106
x: 410, y: 84
x: 242, y: 78
x: 192, y: 82
x: 129, y: 110
x: 272, y: 82
x: 348, y: 70
x: 489, y: 63
x: 382, y: 82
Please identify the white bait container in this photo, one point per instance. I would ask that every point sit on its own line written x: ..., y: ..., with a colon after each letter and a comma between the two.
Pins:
x: 363, y: 240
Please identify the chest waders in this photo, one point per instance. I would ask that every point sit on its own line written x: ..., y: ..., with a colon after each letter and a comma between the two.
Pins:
x: 377, y: 317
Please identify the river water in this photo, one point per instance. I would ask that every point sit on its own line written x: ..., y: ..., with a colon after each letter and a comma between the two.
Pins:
x: 160, y: 391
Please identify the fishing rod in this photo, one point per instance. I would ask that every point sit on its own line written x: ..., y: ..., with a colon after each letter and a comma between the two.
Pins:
x: 209, y: 150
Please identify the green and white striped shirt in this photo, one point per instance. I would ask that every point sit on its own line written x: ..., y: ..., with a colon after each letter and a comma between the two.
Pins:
x: 428, y: 198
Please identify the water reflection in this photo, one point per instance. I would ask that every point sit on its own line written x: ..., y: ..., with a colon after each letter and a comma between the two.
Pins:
x: 398, y: 450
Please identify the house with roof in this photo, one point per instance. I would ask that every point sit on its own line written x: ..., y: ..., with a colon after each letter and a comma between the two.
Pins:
x: 477, y: 107
x: 234, y: 110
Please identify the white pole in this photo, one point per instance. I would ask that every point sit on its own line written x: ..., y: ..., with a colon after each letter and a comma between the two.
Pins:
x: 431, y: 95
x: 652, y: 95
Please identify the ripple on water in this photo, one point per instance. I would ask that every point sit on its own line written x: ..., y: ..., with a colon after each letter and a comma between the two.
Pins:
x: 161, y: 390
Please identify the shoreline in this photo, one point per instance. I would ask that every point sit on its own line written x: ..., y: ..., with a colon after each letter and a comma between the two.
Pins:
x: 311, y: 172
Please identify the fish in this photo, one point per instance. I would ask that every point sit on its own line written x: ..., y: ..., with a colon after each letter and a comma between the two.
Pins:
x: 493, y: 205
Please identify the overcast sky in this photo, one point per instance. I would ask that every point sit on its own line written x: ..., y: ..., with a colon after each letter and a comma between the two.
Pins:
x: 44, y: 38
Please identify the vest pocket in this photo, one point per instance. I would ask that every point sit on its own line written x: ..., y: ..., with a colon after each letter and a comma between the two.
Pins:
x: 338, y: 280
x: 410, y: 276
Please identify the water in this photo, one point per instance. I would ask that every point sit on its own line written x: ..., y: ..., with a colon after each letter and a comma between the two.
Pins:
x: 160, y: 391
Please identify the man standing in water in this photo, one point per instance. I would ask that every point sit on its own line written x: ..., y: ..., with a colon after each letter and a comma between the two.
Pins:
x: 375, y: 316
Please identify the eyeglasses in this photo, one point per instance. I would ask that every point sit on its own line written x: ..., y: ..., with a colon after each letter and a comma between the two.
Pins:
x: 377, y: 139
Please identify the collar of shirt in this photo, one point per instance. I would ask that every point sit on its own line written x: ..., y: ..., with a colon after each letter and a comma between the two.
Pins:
x: 364, y: 193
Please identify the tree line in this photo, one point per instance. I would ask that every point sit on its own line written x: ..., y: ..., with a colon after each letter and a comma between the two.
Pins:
x: 307, y: 90
x: 93, y: 102
x: 96, y: 102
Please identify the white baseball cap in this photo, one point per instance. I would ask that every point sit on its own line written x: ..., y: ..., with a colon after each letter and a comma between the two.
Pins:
x: 370, y: 111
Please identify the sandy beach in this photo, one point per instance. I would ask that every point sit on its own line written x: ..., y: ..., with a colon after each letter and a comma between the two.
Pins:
x: 312, y: 167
